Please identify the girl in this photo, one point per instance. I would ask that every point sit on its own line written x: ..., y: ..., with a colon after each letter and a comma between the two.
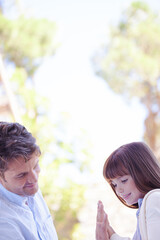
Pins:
x: 133, y: 172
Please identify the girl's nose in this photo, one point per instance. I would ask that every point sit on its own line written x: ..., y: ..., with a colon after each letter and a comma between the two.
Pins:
x: 120, y: 189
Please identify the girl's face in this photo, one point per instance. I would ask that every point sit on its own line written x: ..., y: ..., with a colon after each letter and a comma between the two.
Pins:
x: 126, y: 189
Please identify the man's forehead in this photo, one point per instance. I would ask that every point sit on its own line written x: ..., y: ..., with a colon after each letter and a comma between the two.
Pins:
x: 17, y: 164
x: 22, y: 164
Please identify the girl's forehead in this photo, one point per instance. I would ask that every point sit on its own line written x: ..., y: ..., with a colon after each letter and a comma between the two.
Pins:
x: 115, y: 169
x: 119, y: 177
x: 116, y: 178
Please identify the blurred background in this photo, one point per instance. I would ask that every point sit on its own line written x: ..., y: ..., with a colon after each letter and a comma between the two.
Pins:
x: 84, y: 78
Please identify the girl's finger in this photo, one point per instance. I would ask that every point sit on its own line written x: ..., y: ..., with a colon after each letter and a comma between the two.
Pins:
x: 100, y: 212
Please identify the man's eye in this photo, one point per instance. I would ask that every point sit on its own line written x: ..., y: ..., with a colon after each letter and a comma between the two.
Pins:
x: 37, y: 166
x: 21, y: 175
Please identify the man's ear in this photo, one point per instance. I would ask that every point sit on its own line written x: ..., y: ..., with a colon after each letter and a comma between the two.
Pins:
x: 2, y: 177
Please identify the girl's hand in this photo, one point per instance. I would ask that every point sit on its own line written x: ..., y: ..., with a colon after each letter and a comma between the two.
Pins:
x: 103, y: 229
x: 102, y: 223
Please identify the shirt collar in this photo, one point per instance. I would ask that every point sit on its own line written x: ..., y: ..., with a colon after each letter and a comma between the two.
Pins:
x: 15, y: 198
x: 140, y: 200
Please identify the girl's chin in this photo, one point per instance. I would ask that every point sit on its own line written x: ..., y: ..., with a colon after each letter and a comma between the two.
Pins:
x: 131, y: 202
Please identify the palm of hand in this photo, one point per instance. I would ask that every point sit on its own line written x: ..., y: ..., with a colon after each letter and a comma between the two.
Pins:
x: 102, y: 223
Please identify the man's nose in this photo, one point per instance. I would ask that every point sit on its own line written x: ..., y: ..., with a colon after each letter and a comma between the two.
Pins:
x: 33, y: 177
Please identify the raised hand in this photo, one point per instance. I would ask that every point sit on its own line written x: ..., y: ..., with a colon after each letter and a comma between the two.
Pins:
x: 102, y: 224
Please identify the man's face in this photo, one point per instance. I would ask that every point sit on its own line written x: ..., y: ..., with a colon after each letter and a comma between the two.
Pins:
x: 22, y: 177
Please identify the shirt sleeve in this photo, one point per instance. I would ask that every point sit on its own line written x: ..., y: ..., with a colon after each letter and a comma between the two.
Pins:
x: 153, y: 216
x: 9, y: 231
x: 115, y: 236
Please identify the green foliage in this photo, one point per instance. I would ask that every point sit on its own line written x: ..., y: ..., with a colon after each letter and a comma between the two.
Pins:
x: 130, y: 63
x: 25, y: 42
x: 64, y: 198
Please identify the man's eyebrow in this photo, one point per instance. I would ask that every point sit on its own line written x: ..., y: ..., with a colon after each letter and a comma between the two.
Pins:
x: 25, y: 171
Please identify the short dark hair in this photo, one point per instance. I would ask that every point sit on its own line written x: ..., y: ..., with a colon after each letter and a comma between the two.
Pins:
x: 135, y: 159
x: 15, y: 142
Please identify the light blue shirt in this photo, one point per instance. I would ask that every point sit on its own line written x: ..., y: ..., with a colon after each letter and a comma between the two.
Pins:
x: 25, y: 218
x: 137, y: 235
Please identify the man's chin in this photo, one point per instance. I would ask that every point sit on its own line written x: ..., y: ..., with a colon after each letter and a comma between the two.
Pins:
x: 31, y: 191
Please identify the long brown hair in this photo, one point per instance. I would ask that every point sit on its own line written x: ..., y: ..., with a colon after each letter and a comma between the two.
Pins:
x: 135, y: 159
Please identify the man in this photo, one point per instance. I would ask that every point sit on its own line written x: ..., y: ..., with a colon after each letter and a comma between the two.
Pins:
x: 23, y: 212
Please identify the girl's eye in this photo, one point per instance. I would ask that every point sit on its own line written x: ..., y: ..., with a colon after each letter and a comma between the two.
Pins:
x: 124, y: 181
x: 114, y: 185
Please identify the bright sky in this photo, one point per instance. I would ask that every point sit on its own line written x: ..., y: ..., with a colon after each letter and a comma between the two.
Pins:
x: 69, y: 80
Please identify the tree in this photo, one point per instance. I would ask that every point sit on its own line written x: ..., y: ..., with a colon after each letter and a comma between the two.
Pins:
x: 130, y: 63
x: 25, y: 42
